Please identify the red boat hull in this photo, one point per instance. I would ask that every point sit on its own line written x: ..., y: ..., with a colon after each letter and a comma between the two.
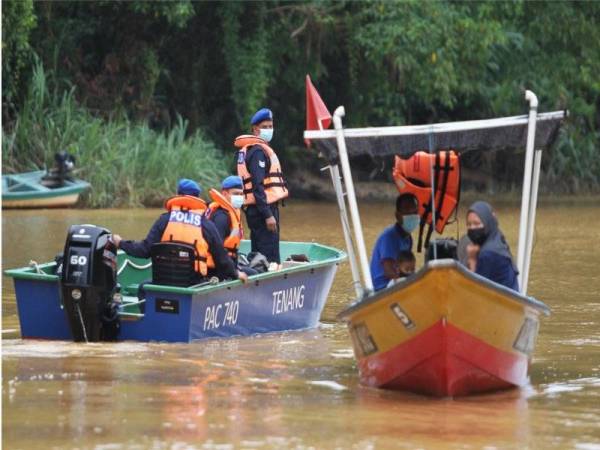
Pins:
x: 444, y: 332
x: 444, y: 361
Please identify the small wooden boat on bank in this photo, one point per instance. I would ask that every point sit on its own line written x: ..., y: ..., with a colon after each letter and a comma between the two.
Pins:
x: 288, y: 299
x: 27, y: 190
x: 444, y: 331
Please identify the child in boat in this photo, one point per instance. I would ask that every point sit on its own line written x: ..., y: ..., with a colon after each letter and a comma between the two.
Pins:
x: 406, y: 263
x: 488, y: 253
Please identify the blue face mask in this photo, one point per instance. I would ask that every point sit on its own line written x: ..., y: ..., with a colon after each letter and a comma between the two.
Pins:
x: 237, y: 201
x: 266, y: 134
x: 410, y: 222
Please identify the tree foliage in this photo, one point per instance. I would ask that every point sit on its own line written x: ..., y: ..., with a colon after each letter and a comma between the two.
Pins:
x: 388, y: 62
x: 18, y: 20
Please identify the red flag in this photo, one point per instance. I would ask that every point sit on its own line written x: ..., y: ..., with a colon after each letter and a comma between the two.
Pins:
x: 317, y: 115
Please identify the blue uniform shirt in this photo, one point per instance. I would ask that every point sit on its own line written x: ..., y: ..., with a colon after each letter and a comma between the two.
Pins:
x: 389, y: 244
x: 259, y: 166
x: 497, y: 268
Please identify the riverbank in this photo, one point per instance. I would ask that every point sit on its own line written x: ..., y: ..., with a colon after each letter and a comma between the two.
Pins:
x: 308, y: 186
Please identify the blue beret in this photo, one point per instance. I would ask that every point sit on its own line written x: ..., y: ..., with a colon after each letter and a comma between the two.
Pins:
x: 261, y: 115
x: 232, y: 181
x: 188, y: 187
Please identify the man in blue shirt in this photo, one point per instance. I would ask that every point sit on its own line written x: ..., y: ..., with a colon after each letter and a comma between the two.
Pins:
x: 395, y: 239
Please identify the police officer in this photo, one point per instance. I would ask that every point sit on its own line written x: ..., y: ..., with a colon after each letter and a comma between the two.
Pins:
x: 264, y: 185
x: 187, y: 191
x: 224, y: 212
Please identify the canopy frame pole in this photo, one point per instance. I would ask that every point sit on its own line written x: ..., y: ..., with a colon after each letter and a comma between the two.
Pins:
x: 433, y: 193
x: 527, y: 189
x: 532, y: 210
x: 352, y: 204
x: 334, y: 171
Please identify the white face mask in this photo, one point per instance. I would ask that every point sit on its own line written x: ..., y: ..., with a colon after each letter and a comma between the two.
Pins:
x: 237, y: 201
x: 266, y: 134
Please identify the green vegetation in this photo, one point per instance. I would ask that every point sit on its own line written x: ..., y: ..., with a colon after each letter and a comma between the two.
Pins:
x: 388, y: 62
x: 127, y: 165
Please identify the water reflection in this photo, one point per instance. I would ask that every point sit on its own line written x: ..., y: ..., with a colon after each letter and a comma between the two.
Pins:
x: 298, y: 390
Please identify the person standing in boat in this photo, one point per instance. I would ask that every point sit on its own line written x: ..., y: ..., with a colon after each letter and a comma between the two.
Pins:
x: 488, y: 253
x: 394, y: 240
x: 184, y: 228
x: 264, y: 185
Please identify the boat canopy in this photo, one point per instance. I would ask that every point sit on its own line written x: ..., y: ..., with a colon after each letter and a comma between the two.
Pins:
x: 489, y: 134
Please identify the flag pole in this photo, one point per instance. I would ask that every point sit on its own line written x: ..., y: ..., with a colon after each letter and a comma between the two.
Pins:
x: 358, y: 235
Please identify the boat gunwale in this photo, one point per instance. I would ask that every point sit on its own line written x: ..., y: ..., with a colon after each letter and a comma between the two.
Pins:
x: 443, y: 264
x: 28, y: 273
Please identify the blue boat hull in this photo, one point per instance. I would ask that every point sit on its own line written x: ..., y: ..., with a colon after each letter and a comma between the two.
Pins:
x: 290, y: 299
x: 275, y: 304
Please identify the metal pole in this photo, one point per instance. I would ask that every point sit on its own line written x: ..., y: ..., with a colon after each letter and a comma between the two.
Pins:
x: 527, y: 175
x: 531, y: 226
x: 433, y: 180
x: 358, y: 235
x: 334, y: 171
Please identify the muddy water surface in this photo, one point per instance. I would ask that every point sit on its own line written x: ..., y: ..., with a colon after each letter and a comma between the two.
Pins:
x: 299, y: 389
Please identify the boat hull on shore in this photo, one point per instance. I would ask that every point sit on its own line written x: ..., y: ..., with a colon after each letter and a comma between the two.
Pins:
x: 444, y: 332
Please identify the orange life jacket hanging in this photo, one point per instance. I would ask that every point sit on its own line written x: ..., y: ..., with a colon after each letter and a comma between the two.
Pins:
x: 413, y: 175
x: 274, y: 183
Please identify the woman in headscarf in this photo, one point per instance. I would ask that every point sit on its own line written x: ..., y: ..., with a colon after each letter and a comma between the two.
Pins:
x: 488, y: 253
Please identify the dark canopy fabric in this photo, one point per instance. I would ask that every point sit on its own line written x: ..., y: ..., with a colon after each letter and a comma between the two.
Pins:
x: 460, y: 136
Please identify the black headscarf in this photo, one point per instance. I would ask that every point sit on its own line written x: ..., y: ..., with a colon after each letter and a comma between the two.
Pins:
x: 494, y: 239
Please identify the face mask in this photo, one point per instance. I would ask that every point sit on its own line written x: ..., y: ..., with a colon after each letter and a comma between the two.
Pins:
x: 410, y: 222
x: 266, y: 134
x: 477, y: 235
x: 237, y: 201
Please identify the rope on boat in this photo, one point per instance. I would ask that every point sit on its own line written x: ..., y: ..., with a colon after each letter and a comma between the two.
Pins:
x: 33, y: 264
x: 81, y: 320
x: 134, y: 265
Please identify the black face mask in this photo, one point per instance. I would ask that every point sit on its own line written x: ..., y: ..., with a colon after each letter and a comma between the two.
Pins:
x: 477, y: 235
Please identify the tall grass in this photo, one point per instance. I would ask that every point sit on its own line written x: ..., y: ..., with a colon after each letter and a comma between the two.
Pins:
x: 127, y: 164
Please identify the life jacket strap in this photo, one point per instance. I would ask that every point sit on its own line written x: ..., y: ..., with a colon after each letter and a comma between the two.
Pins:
x: 275, y: 184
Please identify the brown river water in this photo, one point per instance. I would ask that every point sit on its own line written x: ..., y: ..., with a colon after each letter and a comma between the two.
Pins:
x: 299, y: 389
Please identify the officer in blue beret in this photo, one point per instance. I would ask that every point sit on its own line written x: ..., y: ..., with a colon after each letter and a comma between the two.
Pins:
x: 264, y: 185
x: 221, y: 215
x: 187, y: 191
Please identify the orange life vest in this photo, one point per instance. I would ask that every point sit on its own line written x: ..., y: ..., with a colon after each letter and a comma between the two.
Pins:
x: 413, y: 175
x: 236, y: 233
x: 275, y: 185
x: 185, y: 225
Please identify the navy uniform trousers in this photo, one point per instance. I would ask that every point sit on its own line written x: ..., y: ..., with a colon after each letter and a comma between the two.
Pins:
x: 263, y: 240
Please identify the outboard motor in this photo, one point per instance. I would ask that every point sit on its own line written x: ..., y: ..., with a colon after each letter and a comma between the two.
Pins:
x: 64, y: 164
x: 89, y: 283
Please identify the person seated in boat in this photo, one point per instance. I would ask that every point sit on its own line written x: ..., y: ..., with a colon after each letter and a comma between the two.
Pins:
x: 189, y: 228
x: 225, y: 213
x: 488, y: 253
x: 406, y: 266
x: 393, y: 240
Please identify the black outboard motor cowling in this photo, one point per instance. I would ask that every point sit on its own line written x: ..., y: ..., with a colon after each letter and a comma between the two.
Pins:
x: 89, y: 282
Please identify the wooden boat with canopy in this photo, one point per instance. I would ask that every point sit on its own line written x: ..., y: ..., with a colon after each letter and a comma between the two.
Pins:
x: 444, y: 331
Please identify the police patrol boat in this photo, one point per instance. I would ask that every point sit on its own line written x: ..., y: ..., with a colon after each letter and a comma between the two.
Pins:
x: 98, y: 294
x: 444, y: 331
